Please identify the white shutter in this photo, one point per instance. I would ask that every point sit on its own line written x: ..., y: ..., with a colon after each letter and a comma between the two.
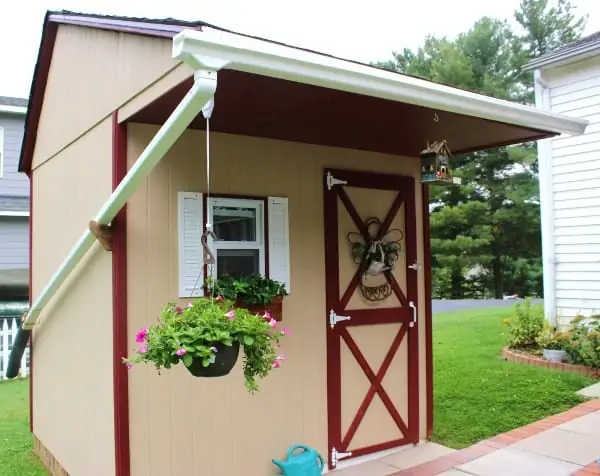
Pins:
x: 190, y: 227
x: 279, y: 240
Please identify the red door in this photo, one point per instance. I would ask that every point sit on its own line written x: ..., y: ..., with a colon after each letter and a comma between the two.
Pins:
x: 372, y: 337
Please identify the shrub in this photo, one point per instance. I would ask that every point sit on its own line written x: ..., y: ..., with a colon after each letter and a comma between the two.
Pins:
x: 526, y: 326
x: 550, y: 339
x: 583, y: 341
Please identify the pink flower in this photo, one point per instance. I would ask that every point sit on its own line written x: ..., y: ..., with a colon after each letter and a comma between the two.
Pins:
x: 180, y: 352
x: 276, y: 364
x: 143, y: 349
x: 189, y: 304
x: 178, y: 310
x: 273, y: 322
x: 285, y: 331
x: 141, y: 335
x: 280, y: 357
x: 230, y: 315
x: 219, y: 298
x: 267, y: 315
x: 129, y: 365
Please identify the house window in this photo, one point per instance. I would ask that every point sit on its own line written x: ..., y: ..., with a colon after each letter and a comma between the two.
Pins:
x: 240, y: 245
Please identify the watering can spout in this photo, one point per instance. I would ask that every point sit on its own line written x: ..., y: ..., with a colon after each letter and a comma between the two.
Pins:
x: 306, y: 463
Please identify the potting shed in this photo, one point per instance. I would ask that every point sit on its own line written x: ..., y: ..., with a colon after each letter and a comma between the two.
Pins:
x: 311, y: 158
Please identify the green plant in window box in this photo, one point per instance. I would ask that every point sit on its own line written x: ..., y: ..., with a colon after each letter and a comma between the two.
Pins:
x: 206, y: 336
x: 253, y: 292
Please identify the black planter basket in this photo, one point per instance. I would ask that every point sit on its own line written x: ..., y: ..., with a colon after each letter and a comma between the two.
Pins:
x: 225, y: 359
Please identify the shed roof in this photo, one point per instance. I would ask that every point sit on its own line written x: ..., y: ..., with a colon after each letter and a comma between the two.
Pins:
x: 522, y: 129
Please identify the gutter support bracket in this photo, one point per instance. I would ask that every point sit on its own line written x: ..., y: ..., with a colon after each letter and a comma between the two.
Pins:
x: 103, y: 233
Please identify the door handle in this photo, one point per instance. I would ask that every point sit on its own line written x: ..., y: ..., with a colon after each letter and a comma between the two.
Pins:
x: 414, y: 314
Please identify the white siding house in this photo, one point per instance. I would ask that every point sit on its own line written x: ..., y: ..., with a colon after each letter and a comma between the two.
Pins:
x: 567, y: 81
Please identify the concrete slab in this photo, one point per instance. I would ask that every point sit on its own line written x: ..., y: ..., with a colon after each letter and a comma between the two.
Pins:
x: 371, y: 468
x: 587, y: 425
x: 418, y: 455
x: 455, y: 472
x: 562, y: 445
x: 514, y: 462
x: 593, y: 391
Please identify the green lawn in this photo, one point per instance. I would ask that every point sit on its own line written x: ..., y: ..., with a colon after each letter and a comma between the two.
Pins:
x: 16, y: 458
x: 476, y: 393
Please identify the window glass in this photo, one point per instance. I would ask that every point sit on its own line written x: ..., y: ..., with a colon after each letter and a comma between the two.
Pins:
x: 238, y: 262
x: 235, y: 223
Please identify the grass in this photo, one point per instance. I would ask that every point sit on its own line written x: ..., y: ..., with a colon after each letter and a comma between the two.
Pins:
x: 16, y: 458
x: 476, y: 393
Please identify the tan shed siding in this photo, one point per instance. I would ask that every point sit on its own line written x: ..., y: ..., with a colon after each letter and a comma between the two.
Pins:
x: 82, y: 87
x: 212, y: 427
x: 73, y: 397
x: 575, y: 91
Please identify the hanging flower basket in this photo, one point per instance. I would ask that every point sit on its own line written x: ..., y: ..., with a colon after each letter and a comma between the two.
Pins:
x: 206, y: 336
x: 224, y: 360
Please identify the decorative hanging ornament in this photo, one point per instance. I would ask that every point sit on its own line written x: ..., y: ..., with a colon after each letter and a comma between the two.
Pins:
x: 435, y: 165
x: 376, y: 254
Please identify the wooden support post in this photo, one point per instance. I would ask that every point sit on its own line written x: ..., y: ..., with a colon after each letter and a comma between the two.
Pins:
x: 103, y: 234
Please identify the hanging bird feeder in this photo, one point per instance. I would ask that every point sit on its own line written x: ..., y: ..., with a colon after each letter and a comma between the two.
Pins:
x: 435, y: 165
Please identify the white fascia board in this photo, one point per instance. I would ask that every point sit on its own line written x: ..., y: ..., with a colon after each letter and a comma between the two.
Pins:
x: 13, y: 109
x: 201, y: 49
x: 10, y: 213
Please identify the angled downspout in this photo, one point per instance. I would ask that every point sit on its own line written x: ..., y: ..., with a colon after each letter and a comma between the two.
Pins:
x: 542, y: 101
x: 202, y: 91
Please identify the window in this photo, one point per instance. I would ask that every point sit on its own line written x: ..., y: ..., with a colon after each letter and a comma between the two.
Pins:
x: 239, y: 225
x: 253, y: 237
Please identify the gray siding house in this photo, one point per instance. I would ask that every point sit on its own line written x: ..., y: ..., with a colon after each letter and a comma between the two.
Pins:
x: 14, y: 203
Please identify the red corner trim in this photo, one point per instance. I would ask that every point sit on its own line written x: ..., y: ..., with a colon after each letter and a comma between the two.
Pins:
x: 428, y: 312
x: 119, y: 278
x: 31, y: 300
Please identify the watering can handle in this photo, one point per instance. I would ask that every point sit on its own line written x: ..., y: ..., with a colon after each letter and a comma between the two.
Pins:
x: 306, y: 448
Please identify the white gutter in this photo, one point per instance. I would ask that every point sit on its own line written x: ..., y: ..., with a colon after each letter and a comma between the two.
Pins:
x: 13, y: 109
x: 203, y: 90
x: 284, y: 62
x: 542, y: 100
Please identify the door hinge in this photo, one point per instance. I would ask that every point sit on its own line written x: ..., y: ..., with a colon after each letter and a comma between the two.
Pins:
x: 336, y: 456
x: 334, y: 318
x: 331, y: 181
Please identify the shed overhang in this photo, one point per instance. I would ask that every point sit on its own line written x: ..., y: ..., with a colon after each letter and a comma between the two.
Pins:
x: 272, y: 90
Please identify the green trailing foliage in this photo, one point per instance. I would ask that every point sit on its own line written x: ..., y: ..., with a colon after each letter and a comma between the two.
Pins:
x: 183, y: 334
x: 252, y: 290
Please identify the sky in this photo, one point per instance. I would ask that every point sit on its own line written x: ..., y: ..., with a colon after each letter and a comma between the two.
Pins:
x: 363, y: 31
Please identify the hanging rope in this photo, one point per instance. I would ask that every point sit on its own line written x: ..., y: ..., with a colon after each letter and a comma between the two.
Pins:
x: 208, y: 256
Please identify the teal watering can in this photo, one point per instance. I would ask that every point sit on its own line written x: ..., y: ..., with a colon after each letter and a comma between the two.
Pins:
x: 306, y: 463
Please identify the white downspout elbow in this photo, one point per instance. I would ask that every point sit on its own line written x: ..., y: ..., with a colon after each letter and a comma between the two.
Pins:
x: 542, y: 101
x: 202, y: 91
